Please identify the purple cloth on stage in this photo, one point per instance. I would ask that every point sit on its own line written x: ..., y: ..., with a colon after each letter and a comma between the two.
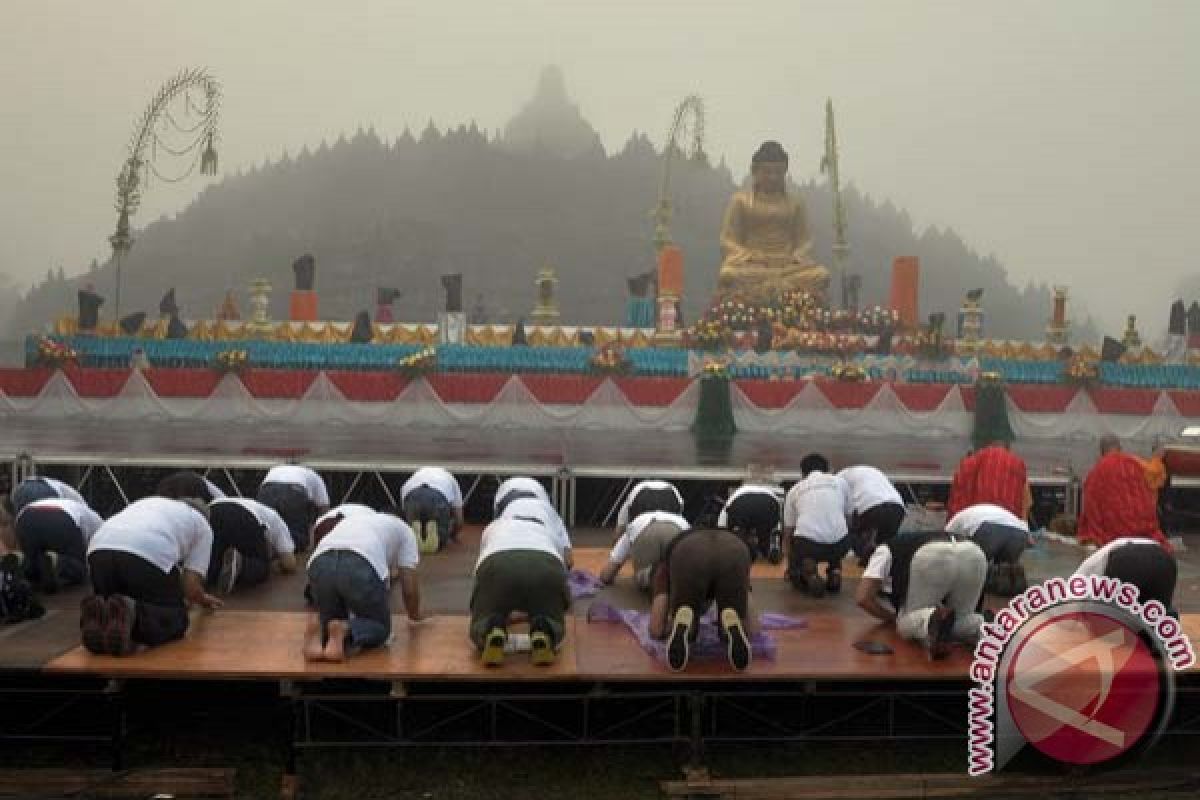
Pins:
x: 583, y: 584
x: 708, y: 643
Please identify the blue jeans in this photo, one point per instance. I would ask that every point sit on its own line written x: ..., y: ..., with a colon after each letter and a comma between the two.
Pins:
x: 29, y: 490
x: 426, y: 503
x: 345, y: 586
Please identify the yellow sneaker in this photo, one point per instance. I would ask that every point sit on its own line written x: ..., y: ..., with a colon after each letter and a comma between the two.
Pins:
x: 541, y: 650
x: 493, y: 647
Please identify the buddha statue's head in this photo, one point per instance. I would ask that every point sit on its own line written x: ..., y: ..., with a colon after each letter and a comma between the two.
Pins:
x: 769, y: 168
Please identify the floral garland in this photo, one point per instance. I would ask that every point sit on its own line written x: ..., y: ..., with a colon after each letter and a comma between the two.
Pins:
x: 1081, y: 371
x: 797, y: 321
x: 231, y: 360
x: 53, y: 353
x: 848, y: 372
x: 611, y: 360
x: 419, y: 363
x: 715, y: 370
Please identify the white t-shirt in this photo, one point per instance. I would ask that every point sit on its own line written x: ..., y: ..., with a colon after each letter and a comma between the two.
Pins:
x: 304, y: 477
x: 750, y: 488
x: 165, y: 532
x: 879, y: 566
x: 521, y: 484
x: 384, y: 540
x: 869, y: 488
x: 435, y: 478
x: 1097, y: 562
x: 817, y: 508
x: 968, y: 521
x: 623, y: 514
x: 278, y: 536
x: 623, y: 547
x: 64, y: 490
x: 88, y: 521
x: 507, y: 533
x: 532, y: 509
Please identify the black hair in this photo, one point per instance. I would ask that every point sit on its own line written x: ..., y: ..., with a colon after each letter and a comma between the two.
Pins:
x: 814, y: 462
x: 770, y: 152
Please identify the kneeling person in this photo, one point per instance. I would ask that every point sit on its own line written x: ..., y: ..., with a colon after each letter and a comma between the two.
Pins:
x: 52, y: 535
x: 754, y: 510
x: 522, y: 567
x: 933, y: 581
x: 646, y: 539
x: 702, y: 568
x: 247, y: 536
x: 350, y: 576
x: 433, y: 505
x: 1140, y: 561
x: 1003, y: 537
x: 147, y: 563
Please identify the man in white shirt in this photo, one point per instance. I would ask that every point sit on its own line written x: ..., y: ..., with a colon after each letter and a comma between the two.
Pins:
x: 753, y: 511
x: 1003, y: 537
x: 814, y: 527
x: 247, y: 537
x: 877, y: 509
x: 522, y: 567
x: 147, y: 564
x: 433, y: 505
x: 37, y: 488
x: 933, y: 581
x: 1140, y: 561
x: 646, y: 538
x: 515, y: 488
x: 299, y: 495
x: 350, y: 575
x: 52, y: 535
x: 651, y: 495
x: 533, y: 510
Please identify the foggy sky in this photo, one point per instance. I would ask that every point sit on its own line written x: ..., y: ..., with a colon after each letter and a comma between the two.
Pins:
x: 1059, y: 135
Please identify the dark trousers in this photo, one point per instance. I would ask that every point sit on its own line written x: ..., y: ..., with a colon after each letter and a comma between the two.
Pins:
x: 42, y: 530
x: 654, y: 500
x: 425, y: 503
x: 705, y: 567
x: 519, y: 580
x: 755, y: 516
x: 828, y: 553
x: 1148, y: 567
x: 874, y: 527
x: 292, y: 503
x: 29, y: 490
x: 1002, y: 544
x: 235, y: 527
x: 161, y: 614
x: 344, y: 585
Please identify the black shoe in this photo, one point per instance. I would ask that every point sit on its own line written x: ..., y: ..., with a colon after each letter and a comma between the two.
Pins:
x: 735, y: 639
x: 833, y: 580
x: 941, y: 630
x: 679, y: 645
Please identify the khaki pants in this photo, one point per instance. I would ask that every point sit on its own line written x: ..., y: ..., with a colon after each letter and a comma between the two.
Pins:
x: 649, y: 548
x: 944, y: 573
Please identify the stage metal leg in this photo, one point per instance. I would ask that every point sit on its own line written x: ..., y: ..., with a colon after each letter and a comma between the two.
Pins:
x: 695, y: 765
x: 116, y: 711
x: 291, y: 709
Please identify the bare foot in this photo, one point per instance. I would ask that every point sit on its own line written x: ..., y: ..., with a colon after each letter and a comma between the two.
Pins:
x: 335, y: 645
x: 314, y: 650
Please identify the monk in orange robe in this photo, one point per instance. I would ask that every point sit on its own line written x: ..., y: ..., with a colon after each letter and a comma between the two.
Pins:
x: 1117, y: 499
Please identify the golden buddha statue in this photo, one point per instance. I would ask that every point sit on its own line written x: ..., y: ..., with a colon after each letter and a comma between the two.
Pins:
x: 764, y: 238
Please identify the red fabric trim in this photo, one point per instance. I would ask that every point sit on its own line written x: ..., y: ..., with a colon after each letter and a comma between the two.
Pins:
x: 921, y: 397
x: 277, y: 384
x: 849, y: 396
x: 1125, y: 401
x: 771, y: 394
x: 968, y: 397
x: 16, y: 382
x: 1042, y: 399
x: 368, y: 387
x: 183, y: 382
x: 652, y: 391
x: 1187, y: 402
x: 468, y: 387
x: 561, y: 389
x: 97, y: 382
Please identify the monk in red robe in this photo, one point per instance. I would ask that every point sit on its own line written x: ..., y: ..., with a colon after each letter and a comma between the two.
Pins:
x: 993, y: 475
x: 1117, y: 500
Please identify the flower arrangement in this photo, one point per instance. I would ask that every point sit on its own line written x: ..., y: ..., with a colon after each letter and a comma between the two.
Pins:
x: 53, y: 353
x: 929, y: 343
x: 611, y: 360
x: 715, y: 370
x: 419, y: 363
x: 231, y: 360
x: 874, y: 321
x: 848, y: 372
x: 1081, y: 371
x: 797, y: 321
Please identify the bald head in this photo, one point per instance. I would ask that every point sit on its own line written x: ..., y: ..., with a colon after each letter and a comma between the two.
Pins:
x: 1109, y: 444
